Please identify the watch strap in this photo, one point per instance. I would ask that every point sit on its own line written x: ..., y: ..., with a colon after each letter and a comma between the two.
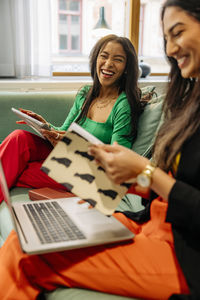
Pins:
x: 148, y: 173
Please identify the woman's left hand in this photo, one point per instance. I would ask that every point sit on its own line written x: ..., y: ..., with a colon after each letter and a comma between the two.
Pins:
x: 120, y: 163
x: 53, y: 136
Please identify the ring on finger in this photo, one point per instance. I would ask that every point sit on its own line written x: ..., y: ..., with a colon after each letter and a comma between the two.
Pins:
x: 57, y: 136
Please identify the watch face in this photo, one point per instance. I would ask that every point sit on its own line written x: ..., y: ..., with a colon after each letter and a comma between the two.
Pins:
x: 143, y: 180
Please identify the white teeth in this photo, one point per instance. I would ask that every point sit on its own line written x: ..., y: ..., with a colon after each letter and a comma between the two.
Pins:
x: 107, y: 72
x: 181, y: 60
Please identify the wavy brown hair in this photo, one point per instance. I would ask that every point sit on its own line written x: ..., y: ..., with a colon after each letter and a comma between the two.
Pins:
x: 128, y: 82
x: 182, y: 103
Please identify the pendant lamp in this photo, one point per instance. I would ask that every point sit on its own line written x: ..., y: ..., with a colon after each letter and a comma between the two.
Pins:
x: 101, y: 22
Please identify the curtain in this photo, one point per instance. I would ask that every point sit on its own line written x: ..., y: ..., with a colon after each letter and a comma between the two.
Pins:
x: 27, y: 26
x: 40, y: 19
x: 6, y: 45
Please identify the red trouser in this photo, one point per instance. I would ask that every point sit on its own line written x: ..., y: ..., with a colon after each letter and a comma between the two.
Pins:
x: 22, y: 154
x: 146, y: 268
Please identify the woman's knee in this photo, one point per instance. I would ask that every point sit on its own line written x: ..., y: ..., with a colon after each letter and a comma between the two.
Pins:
x: 18, y: 138
x: 17, y: 133
x: 21, y: 135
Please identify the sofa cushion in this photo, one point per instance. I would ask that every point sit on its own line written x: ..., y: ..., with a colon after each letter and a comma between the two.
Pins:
x: 130, y: 202
x: 148, y: 125
x: 74, y: 294
x: 148, y: 92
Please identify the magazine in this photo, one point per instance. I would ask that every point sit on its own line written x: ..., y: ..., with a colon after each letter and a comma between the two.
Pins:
x: 32, y: 122
x: 70, y: 164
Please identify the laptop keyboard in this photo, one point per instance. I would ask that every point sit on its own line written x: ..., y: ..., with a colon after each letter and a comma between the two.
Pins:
x: 51, y: 223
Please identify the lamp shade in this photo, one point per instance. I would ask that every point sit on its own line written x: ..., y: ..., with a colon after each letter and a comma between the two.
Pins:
x: 101, y: 22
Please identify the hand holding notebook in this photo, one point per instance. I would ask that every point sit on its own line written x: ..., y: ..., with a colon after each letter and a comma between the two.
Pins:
x: 70, y: 164
x: 32, y: 122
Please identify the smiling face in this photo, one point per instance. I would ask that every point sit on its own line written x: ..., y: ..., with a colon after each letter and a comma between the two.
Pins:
x: 182, y: 35
x: 110, y: 65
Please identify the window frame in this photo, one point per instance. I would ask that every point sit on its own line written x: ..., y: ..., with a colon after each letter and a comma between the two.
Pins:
x: 69, y: 14
x: 134, y: 23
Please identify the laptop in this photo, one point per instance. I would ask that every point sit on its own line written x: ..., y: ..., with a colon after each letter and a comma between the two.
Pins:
x: 76, y: 226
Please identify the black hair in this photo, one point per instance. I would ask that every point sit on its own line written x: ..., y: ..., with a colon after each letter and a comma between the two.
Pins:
x: 128, y: 82
x: 182, y: 103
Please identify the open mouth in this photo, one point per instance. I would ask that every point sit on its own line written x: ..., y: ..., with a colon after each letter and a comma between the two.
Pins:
x: 107, y: 73
x: 182, y: 61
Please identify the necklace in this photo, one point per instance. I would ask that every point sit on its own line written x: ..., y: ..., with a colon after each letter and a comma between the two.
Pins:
x: 103, y: 104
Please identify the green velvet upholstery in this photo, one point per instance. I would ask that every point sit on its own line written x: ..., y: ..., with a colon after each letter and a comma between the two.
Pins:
x: 74, y: 294
x: 149, y: 122
x: 54, y: 106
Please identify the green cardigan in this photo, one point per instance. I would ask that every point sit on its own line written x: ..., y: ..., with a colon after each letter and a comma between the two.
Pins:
x: 116, y: 127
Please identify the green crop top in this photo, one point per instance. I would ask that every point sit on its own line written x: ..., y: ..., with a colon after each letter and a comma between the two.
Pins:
x: 116, y: 126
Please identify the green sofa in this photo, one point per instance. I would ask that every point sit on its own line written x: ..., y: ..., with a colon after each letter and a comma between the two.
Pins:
x: 54, y: 106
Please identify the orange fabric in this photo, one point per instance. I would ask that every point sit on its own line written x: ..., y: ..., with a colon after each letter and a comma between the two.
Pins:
x: 138, y: 190
x: 146, y: 268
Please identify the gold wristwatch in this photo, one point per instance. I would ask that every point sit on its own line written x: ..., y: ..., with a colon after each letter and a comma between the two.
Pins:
x: 144, y: 179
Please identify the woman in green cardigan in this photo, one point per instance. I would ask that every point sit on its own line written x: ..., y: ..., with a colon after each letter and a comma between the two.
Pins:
x: 109, y: 109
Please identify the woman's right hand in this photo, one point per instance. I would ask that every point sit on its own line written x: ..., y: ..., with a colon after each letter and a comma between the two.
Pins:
x: 120, y: 163
x: 53, y: 136
x: 31, y: 114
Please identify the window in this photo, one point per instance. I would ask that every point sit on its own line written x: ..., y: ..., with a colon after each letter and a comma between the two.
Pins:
x: 51, y: 36
x: 74, y: 34
x: 140, y: 22
x: 150, y: 48
x: 69, y: 26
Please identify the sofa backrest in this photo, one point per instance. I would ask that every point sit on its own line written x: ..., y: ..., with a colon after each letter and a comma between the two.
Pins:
x: 54, y: 106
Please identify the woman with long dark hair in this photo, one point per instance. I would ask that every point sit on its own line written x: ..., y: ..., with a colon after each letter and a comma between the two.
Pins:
x: 109, y: 109
x: 127, y: 82
x: 163, y: 260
